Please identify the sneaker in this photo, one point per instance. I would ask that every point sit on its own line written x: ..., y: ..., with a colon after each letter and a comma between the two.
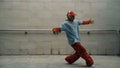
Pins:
x: 93, y: 66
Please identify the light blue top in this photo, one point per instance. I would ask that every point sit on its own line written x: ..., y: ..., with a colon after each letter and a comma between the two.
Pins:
x: 72, y: 30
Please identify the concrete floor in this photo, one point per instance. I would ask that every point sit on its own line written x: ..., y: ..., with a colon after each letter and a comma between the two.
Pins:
x: 55, y: 61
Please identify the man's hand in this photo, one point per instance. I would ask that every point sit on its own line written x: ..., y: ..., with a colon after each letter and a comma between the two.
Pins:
x: 91, y: 21
x: 56, y: 30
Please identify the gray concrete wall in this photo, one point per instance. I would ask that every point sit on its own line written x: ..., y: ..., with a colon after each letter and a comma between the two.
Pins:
x: 36, y: 15
x: 16, y: 42
x: 45, y: 14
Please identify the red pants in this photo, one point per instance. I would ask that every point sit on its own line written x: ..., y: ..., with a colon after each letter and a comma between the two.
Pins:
x: 80, y: 52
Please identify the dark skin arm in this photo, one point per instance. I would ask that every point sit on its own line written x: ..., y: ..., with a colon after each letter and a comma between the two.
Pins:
x: 56, y: 30
x: 85, y: 22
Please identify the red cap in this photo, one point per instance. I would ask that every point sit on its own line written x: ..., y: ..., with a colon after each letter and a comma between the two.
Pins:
x: 71, y: 12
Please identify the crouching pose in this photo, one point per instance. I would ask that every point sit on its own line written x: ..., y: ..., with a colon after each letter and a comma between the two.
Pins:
x: 71, y: 28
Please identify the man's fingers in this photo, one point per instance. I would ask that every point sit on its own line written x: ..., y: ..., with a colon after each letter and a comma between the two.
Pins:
x: 56, y: 33
x: 91, y: 21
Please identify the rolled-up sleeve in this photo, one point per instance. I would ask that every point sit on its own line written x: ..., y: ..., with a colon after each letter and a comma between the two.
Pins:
x: 62, y: 27
x: 79, y: 22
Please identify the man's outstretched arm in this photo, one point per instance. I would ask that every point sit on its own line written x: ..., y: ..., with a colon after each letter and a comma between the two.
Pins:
x: 85, y: 22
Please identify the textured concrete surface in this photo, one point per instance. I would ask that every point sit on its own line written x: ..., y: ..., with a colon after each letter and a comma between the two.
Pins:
x: 44, y: 42
x: 45, y: 14
x: 55, y: 61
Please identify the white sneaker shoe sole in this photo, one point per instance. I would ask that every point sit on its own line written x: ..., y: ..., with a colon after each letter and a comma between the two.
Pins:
x: 93, y: 66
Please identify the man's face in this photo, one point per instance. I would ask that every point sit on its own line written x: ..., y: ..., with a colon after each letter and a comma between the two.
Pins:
x: 70, y: 17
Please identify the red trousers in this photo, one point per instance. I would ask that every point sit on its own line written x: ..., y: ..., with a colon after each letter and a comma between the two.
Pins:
x: 80, y: 51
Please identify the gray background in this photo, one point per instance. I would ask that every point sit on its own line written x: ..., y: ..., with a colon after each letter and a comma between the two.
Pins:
x: 45, y: 14
x: 38, y: 17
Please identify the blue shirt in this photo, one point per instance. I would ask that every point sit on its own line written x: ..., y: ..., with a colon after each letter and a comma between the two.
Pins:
x: 72, y: 30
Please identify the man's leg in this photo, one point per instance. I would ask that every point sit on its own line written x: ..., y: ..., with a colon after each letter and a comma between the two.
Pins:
x: 88, y: 59
x: 86, y: 56
x: 80, y: 52
x: 73, y: 57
